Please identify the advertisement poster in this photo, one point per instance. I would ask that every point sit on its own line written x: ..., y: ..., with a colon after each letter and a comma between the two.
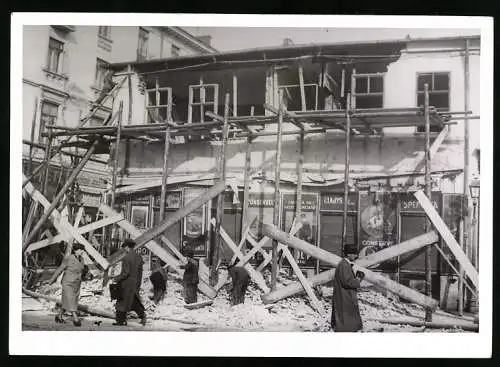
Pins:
x: 452, y: 212
x: 194, y: 224
x: 262, y: 206
x: 309, y: 220
x: 378, y: 222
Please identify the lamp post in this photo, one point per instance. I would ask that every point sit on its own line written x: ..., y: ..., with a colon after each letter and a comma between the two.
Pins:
x: 474, y: 188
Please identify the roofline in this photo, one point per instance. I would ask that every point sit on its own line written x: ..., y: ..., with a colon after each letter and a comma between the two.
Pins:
x: 297, y: 47
x: 178, y: 31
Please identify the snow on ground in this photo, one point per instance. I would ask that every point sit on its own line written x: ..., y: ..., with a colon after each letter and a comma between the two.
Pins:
x: 290, y: 314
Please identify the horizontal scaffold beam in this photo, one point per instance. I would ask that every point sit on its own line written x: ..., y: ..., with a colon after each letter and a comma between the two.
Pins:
x: 370, y: 276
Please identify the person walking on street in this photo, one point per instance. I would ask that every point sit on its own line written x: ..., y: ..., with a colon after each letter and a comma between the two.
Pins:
x: 240, y: 280
x: 190, y: 278
x: 129, y: 281
x: 73, y: 268
x: 345, y: 308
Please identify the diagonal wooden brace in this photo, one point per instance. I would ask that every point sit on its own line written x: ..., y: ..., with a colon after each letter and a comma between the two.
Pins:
x: 157, y: 249
x: 81, y: 230
x: 257, y: 277
x: 448, y: 237
x: 64, y: 227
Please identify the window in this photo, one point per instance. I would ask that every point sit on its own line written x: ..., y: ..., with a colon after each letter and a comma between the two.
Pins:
x: 142, y: 47
x: 156, y: 104
x: 104, y: 31
x: 100, y: 73
x: 48, y: 117
x: 175, y: 51
x: 439, y: 93
x: 54, y: 59
x: 369, y: 91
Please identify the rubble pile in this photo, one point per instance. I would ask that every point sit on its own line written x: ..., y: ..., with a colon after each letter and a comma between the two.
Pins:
x: 290, y: 314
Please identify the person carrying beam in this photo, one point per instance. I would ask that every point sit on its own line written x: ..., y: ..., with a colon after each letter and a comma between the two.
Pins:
x: 346, y: 282
x: 129, y: 281
x: 240, y: 280
x: 190, y: 278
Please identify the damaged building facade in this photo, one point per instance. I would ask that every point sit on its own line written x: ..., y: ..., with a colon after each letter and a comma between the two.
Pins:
x: 380, y: 86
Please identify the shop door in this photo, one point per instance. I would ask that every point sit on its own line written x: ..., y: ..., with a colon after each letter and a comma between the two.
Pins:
x: 412, y: 226
x: 331, y: 233
x: 231, y: 222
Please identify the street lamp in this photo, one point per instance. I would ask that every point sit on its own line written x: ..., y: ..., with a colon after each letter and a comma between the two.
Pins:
x: 474, y: 188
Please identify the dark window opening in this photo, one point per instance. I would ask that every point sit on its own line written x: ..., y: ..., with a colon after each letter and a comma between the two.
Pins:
x: 439, y: 94
x: 104, y: 31
x: 175, y: 51
x: 142, y: 47
x: 54, y: 59
x: 100, y: 73
x: 369, y: 91
x: 331, y: 233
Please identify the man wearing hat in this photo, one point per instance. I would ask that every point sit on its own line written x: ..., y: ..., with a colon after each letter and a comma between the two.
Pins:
x: 190, y: 278
x: 130, y: 280
x: 345, y: 308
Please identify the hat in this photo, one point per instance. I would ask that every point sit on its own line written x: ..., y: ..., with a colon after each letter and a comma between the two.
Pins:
x: 129, y: 243
x: 78, y: 246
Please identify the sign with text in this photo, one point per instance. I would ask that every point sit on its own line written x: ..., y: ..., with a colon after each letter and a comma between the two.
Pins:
x: 262, y: 206
x: 335, y: 202
x: 409, y: 204
x: 172, y: 200
x: 309, y: 220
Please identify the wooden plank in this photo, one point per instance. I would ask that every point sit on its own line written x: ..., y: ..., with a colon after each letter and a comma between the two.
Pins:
x: 448, y: 237
x: 32, y: 136
x: 256, y: 276
x: 267, y: 259
x: 157, y: 249
x: 257, y: 247
x: 116, y: 154
x: 370, y: 276
x: 307, y: 287
x: 438, y: 141
x: 244, y: 236
x: 246, y: 182
x: 346, y: 171
x: 302, y: 89
x: 220, y: 198
x: 78, y: 218
x: 402, y: 248
x: 166, y: 149
x: 174, y: 249
x: 277, y: 171
x: 29, y: 220
x: 428, y: 325
x: 151, y: 233
x: 197, y: 305
x: 81, y: 230
x: 60, y: 194
x: 63, y: 226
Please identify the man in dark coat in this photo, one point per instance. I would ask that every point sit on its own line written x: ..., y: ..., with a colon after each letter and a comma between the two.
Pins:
x: 345, y: 308
x: 240, y: 280
x: 190, y: 278
x: 130, y: 280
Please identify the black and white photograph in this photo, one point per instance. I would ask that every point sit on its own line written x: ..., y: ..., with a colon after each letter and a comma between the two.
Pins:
x: 274, y: 180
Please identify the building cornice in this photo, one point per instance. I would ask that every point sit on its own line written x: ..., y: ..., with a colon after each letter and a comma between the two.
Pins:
x: 189, y: 38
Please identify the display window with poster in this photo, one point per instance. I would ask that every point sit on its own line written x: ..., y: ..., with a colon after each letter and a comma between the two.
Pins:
x: 231, y: 221
x: 195, y: 224
x: 139, y: 217
x: 309, y: 220
x: 173, y: 201
x: 331, y: 223
x: 378, y: 215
